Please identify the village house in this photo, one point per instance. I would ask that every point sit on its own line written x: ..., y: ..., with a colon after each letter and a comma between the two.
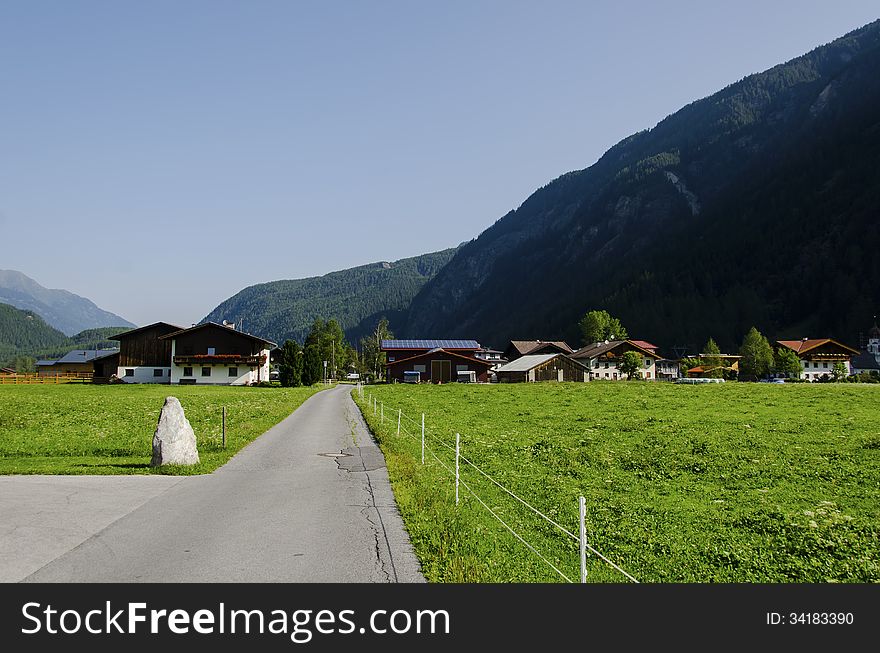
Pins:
x: 715, y: 365
x: 217, y: 354
x: 602, y: 359
x: 143, y: 356
x: 77, y: 361
x: 818, y: 356
x: 518, y: 348
x: 491, y: 355
x: 543, y: 367
x: 437, y: 361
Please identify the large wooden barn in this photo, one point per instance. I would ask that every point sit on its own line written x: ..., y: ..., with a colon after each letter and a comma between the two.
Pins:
x: 143, y: 356
x: 434, y: 361
x: 542, y: 367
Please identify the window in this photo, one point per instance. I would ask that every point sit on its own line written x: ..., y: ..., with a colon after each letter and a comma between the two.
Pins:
x: 825, y: 365
x: 233, y: 371
x: 606, y: 367
x: 647, y: 362
x: 212, y: 351
x: 187, y: 371
x: 129, y: 371
x: 647, y: 375
x: 391, y: 359
x: 461, y: 368
x: 816, y: 365
x: 206, y: 371
x: 420, y: 368
x: 157, y: 372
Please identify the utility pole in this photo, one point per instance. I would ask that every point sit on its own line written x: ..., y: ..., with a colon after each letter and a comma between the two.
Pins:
x: 333, y: 358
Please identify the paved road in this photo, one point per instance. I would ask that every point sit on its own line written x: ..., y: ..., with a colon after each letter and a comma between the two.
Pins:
x: 287, y: 508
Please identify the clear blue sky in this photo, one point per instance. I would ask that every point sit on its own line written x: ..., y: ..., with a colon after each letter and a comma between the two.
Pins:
x: 159, y: 156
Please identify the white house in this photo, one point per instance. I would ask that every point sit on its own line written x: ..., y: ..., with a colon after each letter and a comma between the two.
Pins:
x: 602, y: 359
x: 819, y: 355
x: 217, y: 354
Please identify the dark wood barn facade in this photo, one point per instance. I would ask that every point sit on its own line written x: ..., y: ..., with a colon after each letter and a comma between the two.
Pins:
x: 143, y: 347
x: 438, y: 366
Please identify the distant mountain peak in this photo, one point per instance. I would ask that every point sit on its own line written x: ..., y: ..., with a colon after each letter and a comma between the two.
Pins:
x: 61, y: 309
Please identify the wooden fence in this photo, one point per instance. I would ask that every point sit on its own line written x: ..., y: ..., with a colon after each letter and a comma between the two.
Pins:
x: 61, y: 377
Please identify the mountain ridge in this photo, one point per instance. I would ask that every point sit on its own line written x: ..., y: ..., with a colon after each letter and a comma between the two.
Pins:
x: 356, y: 297
x: 62, y: 309
x: 597, y: 237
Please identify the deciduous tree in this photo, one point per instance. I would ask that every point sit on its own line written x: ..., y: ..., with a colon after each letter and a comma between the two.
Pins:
x: 599, y: 325
x: 631, y: 365
x: 757, y: 356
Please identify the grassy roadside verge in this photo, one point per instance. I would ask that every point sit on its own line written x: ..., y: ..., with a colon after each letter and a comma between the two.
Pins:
x: 733, y: 483
x: 94, y: 429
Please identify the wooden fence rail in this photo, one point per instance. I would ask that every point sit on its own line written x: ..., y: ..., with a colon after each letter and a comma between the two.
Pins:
x: 61, y: 377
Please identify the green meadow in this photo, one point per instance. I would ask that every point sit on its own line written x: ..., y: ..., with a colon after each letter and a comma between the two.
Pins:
x: 108, y: 429
x: 709, y: 483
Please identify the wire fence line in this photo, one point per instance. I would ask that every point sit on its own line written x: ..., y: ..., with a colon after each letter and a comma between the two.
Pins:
x: 426, y: 435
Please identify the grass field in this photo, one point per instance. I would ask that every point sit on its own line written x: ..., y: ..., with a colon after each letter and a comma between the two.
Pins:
x: 108, y: 429
x: 712, y: 483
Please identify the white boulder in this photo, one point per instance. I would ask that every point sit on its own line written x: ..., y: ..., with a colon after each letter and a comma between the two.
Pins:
x: 174, y: 442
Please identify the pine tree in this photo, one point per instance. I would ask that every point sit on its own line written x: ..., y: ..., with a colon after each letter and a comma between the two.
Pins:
x: 712, y: 361
x: 291, y: 364
x: 312, y: 365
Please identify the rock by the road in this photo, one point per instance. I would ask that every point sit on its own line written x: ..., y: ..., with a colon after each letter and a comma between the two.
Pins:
x: 174, y: 442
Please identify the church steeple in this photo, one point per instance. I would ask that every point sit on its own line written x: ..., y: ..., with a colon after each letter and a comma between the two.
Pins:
x: 874, y: 340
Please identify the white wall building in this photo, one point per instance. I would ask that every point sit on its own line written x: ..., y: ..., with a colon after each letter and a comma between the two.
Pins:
x: 215, y: 354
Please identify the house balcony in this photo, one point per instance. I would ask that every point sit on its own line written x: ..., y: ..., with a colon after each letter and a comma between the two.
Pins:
x: 247, y: 360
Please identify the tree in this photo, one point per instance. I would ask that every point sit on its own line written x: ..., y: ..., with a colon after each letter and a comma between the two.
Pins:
x: 712, y: 361
x: 290, y: 367
x: 838, y: 372
x: 313, y: 365
x: 756, y: 356
x: 373, y: 356
x: 599, y: 325
x: 788, y: 363
x: 630, y: 364
x: 23, y: 364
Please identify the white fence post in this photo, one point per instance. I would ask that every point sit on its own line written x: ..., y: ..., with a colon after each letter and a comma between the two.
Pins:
x: 423, y: 438
x: 382, y: 413
x: 582, y: 509
x: 457, y: 453
x: 399, y: 413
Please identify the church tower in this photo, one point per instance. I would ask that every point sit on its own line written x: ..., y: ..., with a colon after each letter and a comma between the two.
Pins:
x: 874, y: 340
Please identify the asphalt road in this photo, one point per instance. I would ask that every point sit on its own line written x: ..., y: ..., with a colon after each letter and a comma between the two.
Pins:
x: 287, y: 508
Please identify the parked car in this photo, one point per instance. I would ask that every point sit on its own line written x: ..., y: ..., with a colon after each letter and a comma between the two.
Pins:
x: 274, y: 375
x: 412, y: 377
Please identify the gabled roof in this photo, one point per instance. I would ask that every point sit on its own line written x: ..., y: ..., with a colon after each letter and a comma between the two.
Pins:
x: 471, y: 345
x: 83, y: 356
x: 806, y: 345
x: 214, y: 325
x: 644, y: 344
x: 599, y: 348
x: 865, y: 361
x: 524, y: 347
x: 126, y: 334
x: 531, y: 361
x: 470, y: 359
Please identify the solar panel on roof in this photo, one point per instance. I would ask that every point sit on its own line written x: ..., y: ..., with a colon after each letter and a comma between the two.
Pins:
x: 430, y: 344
